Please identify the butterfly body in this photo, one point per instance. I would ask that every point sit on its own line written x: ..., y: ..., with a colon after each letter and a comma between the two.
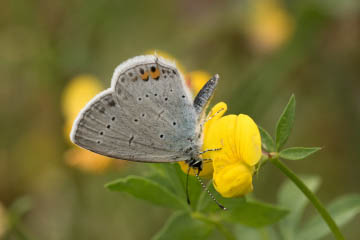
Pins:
x: 148, y: 115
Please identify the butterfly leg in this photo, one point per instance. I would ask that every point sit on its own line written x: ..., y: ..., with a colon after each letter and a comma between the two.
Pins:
x: 209, y: 150
x: 209, y: 118
x: 207, y: 160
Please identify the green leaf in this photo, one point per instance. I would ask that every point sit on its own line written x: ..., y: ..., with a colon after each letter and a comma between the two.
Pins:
x: 266, y: 140
x: 166, y: 174
x: 175, y: 179
x: 243, y: 232
x: 342, y: 210
x: 148, y: 190
x: 285, y: 123
x: 297, y: 153
x: 207, y: 204
x: 254, y: 214
x: 291, y: 197
x: 182, y: 226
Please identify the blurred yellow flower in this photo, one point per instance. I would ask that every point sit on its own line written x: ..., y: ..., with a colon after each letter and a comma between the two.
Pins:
x: 196, y: 80
x: 76, y: 95
x: 270, y: 25
x: 87, y: 160
x: 239, y: 139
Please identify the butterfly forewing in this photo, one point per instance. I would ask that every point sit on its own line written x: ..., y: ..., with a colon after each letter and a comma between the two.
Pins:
x: 147, y: 115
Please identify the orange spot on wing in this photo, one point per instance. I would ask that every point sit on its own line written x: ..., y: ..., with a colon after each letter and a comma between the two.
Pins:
x: 155, y: 74
x: 145, y: 76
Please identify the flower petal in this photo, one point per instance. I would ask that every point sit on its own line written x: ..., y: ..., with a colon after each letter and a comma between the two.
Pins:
x: 234, y: 180
x: 220, y: 134
x: 77, y: 93
x: 196, y: 80
x: 240, y: 143
x: 87, y: 160
x: 248, y: 140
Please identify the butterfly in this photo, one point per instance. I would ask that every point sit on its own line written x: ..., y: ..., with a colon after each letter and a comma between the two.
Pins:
x: 147, y: 115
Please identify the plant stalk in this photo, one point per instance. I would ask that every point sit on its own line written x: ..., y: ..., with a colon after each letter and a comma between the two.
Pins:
x: 310, y: 195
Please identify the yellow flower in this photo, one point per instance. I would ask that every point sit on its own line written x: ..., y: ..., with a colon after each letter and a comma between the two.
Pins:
x: 239, y: 139
x: 196, y: 80
x: 270, y: 25
x: 76, y: 95
x: 87, y: 160
x: 206, y: 172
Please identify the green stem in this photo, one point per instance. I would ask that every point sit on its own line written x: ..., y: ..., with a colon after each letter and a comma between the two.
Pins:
x: 228, y: 235
x: 310, y: 195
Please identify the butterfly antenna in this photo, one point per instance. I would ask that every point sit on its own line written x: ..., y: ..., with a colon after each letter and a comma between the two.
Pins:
x: 187, y: 186
x: 209, y: 193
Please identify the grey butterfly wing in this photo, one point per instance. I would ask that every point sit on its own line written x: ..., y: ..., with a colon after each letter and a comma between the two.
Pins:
x: 147, y: 114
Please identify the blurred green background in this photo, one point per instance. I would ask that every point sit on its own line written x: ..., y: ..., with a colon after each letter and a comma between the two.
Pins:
x: 264, y: 50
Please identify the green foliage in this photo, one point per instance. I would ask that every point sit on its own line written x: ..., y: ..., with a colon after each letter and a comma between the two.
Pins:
x: 290, y: 197
x: 296, y: 199
x: 181, y: 225
x: 342, y: 209
x: 165, y: 186
x: 292, y: 226
x: 267, y: 141
x: 146, y: 189
x: 285, y: 123
x: 297, y: 153
x: 255, y: 214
